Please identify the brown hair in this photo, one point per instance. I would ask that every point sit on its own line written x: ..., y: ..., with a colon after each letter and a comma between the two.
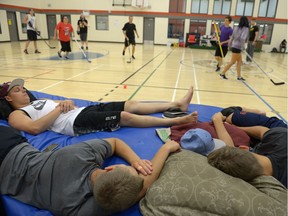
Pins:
x: 229, y: 18
x: 236, y: 162
x: 117, y: 190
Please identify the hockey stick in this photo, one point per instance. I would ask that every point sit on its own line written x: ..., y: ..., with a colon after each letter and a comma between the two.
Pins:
x: 275, y: 83
x: 218, y: 39
x: 82, y: 50
x: 129, y: 53
x: 38, y: 34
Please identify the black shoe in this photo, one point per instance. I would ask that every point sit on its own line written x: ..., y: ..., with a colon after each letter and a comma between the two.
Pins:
x: 37, y: 51
x: 123, y: 53
x: 59, y: 54
x: 66, y: 57
x: 241, y: 78
x: 223, y: 76
x: 133, y: 57
x: 218, y: 68
x: 25, y: 51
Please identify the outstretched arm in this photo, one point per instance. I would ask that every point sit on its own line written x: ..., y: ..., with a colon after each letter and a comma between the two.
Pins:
x: 221, y: 130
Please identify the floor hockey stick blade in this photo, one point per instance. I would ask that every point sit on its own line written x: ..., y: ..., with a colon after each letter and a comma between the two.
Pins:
x: 275, y: 83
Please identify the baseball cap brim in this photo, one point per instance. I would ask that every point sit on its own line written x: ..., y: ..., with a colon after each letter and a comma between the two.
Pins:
x: 218, y: 144
x: 16, y: 82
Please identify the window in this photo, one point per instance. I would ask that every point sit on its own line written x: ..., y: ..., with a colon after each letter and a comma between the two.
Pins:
x: 102, y: 23
x: 176, y: 28
x: 265, y: 32
x: 23, y: 24
x: 244, y: 7
x: 177, y: 6
x: 267, y: 8
x: 198, y: 26
x: 199, y: 6
x: 222, y: 7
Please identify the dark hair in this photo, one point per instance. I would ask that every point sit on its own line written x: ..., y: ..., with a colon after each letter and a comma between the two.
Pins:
x: 243, y: 22
x: 236, y: 162
x: 229, y: 18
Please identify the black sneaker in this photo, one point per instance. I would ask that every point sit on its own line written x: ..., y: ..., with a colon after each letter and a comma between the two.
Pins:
x: 37, y: 51
x: 218, y: 68
x: 66, y: 57
x: 59, y: 54
x: 123, y: 53
x: 133, y: 57
x: 25, y: 51
x: 223, y: 76
x: 241, y: 78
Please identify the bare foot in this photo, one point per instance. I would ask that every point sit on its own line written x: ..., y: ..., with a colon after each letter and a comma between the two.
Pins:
x: 191, y: 118
x: 184, y: 102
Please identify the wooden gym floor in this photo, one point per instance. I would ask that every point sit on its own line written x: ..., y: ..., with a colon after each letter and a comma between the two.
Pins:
x: 159, y: 73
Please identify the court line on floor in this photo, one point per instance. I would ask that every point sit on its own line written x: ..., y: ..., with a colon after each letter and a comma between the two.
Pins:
x: 136, y: 91
x: 80, y: 74
x: 178, y: 78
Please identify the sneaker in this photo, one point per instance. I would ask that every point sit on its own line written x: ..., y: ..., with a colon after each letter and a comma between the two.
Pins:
x: 133, y: 57
x: 66, y: 57
x: 123, y: 53
x: 37, y: 51
x: 82, y: 47
x: 173, y: 113
x: 218, y: 68
x: 223, y: 76
x: 25, y: 51
x: 59, y: 54
x: 241, y: 78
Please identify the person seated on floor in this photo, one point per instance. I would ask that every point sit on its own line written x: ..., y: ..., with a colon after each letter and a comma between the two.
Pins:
x: 283, y: 45
x: 70, y: 180
x: 65, y: 118
x: 245, y: 117
x: 268, y: 157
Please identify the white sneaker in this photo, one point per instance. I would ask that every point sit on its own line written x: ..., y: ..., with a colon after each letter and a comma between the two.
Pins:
x: 246, y: 63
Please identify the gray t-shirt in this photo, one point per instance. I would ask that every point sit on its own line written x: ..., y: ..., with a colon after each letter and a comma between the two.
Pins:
x: 58, y: 181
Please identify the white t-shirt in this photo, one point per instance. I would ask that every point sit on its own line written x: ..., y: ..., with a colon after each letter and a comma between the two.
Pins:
x: 32, y: 20
x: 63, y: 124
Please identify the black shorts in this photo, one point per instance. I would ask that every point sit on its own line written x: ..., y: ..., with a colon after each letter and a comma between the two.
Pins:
x: 235, y: 50
x: 131, y: 41
x: 83, y: 36
x: 65, y: 46
x: 218, y: 51
x: 31, y: 35
x: 100, y: 117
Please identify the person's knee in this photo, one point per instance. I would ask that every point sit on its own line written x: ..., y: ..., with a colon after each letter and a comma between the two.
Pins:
x: 126, y: 118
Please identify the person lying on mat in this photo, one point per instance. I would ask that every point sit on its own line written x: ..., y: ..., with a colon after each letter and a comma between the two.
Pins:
x: 65, y: 118
x: 268, y: 157
x: 71, y: 180
x: 246, y: 117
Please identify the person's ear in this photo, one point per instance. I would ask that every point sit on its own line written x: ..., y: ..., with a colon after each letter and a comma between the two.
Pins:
x: 8, y: 98
x: 109, y: 168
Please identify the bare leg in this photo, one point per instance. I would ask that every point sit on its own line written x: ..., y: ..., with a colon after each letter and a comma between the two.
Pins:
x: 239, y: 63
x: 27, y: 44
x: 35, y: 45
x: 134, y: 120
x: 232, y: 61
x: 133, y: 49
x: 148, y: 108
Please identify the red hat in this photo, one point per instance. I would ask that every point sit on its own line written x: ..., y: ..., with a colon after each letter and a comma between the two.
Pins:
x: 6, y: 87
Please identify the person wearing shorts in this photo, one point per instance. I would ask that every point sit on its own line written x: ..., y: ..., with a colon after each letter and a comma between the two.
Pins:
x: 64, y: 29
x: 64, y: 117
x: 245, y: 117
x: 267, y: 157
x: 82, y: 30
x: 30, y: 21
x: 225, y: 34
x: 237, y: 43
x: 129, y: 31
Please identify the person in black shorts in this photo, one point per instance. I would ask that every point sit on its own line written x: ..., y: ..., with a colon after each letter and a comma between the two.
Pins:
x: 30, y: 20
x: 225, y: 34
x: 82, y: 30
x: 267, y: 157
x: 246, y: 117
x: 64, y: 117
x: 129, y: 31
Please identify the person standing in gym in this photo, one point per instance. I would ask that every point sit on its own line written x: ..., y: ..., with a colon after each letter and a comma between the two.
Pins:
x: 30, y: 20
x: 253, y: 35
x: 82, y: 30
x: 128, y: 31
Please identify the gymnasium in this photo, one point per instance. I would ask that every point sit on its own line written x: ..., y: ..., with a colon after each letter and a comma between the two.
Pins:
x: 174, y: 51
